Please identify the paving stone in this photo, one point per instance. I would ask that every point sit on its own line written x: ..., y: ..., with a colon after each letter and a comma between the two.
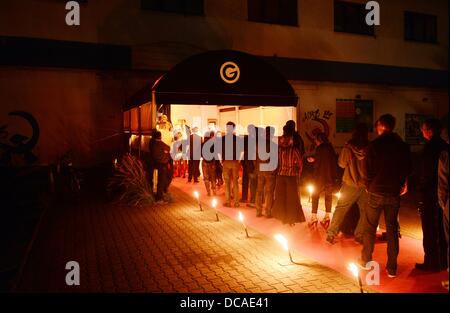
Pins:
x: 170, y: 248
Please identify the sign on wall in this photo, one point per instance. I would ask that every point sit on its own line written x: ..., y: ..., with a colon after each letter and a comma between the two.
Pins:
x: 350, y: 112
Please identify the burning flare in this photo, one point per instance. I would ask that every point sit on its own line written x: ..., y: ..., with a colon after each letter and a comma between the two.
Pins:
x: 353, y: 268
x: 282, y: 240
x: 241, y: 217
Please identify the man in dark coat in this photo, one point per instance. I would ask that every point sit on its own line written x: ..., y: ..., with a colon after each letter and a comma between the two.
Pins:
x: 385, y: 171
x: 434, y: 243
x: 161, y: 160
x: 195, y: 153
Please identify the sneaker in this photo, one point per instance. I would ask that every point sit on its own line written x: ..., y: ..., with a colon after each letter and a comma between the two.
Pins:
x: 391, y: 273
x: 330, y: 239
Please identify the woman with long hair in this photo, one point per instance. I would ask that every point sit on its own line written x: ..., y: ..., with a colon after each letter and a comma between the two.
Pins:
x: 287, y: 207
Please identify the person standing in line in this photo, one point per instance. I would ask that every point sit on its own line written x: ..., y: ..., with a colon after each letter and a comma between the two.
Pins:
x: 298, y: 140
x: 166, y: 129
x: 195, y: 152
x: 443, y: 196
x: 352, y: 190
x: 231, y: 165
x: 248, y: 167
x: 180, y: 163
x: 286, y: 205
x: 266, y: 179
x: 325, y: 174
x: 209, y: 167
x: 300, y: 145
x: 161, y: 157
x: 434, y: 243
x: 386, y: 168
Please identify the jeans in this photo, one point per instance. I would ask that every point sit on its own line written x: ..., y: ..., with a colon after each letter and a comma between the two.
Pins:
x: 349, y: 195
x: 231, y: 176
x: 264, y: 193
x: 328, y: 189
x: 376, y: 204
x: 248, y: 180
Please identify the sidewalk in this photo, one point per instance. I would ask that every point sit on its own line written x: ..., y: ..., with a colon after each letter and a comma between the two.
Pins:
x: 166, y: 248
x: 312, y: 244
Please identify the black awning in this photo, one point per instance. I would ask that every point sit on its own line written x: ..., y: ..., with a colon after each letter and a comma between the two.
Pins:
x: 223, y: 77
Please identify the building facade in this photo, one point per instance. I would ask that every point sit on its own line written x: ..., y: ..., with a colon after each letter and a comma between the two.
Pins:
x: 75, y: 79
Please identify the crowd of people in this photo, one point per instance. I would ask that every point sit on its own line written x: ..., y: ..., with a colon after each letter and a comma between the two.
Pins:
x: 375, y: 176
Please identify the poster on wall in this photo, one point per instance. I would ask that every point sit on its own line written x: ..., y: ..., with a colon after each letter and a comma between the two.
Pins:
x: 413, y: 134
x: 350, y: 112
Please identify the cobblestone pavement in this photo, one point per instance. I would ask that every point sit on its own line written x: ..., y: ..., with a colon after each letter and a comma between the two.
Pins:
x: 166, y: 248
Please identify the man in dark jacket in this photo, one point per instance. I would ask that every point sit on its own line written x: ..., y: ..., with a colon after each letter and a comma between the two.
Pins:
x: 161, y: 160
x: 385, y: 171
x: 249, y: 179
x: 195, y: 153
x: 434, y: 243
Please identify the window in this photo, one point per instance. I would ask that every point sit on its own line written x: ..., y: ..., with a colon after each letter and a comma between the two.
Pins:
x: 350, y: 17
x: 283, y: 12
x: 350, y: 112
x: 420, y: 27
x: 188, y: 7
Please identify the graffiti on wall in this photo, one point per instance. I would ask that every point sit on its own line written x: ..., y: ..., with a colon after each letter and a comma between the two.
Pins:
x: 316, y: 121
x: 18, y: 145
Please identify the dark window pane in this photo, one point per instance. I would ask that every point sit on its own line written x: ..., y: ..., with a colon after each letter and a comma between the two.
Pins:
x: 173, y: 6
x: 350, y: 17
x: 271, y: 12
x: 194, y: 7
x: 420, y: 27
x: 190, y: 7
x: 151, y: 4
x: 288, y: 12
